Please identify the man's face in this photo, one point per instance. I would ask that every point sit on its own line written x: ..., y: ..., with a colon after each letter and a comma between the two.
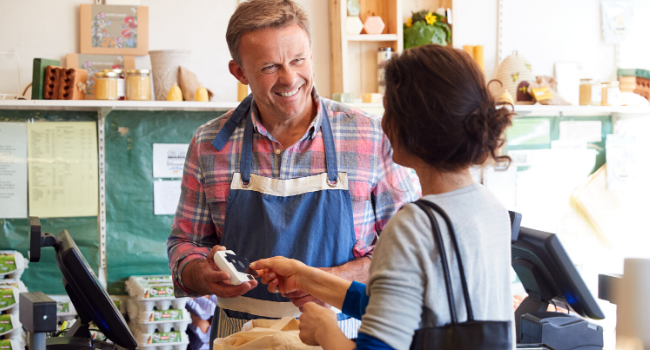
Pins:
x: 277, y: 64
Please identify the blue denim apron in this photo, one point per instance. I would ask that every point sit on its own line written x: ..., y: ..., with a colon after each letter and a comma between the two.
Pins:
x: 309, y: 219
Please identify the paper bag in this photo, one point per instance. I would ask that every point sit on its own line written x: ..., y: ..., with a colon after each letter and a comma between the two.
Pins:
x: 189, y: 83
x: 282, y: 334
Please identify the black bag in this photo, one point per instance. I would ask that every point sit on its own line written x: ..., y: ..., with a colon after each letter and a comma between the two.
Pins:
x: 475, y: 335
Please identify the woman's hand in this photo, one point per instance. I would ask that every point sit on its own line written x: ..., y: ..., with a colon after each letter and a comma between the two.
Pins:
x: 279, y: 273
x: 317, y: 323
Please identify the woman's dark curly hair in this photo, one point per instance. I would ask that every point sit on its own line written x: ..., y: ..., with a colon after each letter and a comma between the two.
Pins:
x: 439, y: 109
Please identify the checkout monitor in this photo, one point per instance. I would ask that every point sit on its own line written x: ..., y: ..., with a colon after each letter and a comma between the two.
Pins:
x: 549, y: 276
x: 88, y: 296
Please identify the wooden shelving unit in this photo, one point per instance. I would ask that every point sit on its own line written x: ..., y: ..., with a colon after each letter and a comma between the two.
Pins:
x: 354, y: 57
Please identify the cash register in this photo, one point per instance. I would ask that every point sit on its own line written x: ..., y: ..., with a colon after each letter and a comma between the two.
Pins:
x: 549, y: 276
x: 86, y: 293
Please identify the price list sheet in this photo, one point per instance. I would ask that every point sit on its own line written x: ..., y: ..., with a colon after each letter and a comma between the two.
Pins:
x: 63, y: 169
x: 13, y: 170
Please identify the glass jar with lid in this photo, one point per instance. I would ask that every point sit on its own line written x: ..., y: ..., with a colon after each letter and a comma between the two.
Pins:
x: 138, y: 85
x: 121, y: 82
x: 106, y: 86
x: 590, y: 92
x: 611, y: 94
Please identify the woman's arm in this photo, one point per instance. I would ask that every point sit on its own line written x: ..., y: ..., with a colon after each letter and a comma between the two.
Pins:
x: 289, y: 275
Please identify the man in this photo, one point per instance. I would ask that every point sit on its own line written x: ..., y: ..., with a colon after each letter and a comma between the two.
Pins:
x: 286, y: 173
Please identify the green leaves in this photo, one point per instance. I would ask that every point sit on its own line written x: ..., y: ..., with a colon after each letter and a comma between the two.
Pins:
x: 422, y: 34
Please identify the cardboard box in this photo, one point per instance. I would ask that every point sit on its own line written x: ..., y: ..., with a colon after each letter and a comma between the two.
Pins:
x: 94, y: 63
x: 114, y: 30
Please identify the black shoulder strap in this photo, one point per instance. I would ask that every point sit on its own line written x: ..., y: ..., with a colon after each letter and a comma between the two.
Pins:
x: 423, y: 204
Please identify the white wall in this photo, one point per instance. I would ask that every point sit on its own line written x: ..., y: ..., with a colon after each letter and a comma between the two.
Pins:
x: 544, y: 32
x: 50, y: 29
x: 551, y: 31
x: 475, y: 23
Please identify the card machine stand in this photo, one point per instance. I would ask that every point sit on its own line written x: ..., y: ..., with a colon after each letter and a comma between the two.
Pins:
x: 38, y: 316
x: 561, y: 331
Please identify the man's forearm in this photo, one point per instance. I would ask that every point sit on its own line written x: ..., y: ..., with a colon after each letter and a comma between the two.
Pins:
x: 355, y: 270
x: 188, y: 275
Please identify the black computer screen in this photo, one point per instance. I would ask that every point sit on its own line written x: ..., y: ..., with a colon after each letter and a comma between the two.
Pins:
x: 88, y: 295
x: 547, y: 273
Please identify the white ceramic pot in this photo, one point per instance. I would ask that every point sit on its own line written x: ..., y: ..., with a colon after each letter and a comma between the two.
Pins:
x: 164, y: 66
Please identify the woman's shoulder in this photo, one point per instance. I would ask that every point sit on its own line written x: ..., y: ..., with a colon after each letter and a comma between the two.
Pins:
x: 410, y: 223
x: 467, y: 202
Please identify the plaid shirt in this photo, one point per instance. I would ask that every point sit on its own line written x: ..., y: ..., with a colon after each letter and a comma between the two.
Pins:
x: 378, y: 187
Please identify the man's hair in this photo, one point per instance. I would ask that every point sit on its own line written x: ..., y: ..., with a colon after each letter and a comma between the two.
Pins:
x: 260, y: 14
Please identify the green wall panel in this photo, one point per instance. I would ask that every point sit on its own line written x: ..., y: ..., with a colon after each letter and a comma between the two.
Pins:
x: 527, y: 126
x: 44, y: 276
x: 136, y: 238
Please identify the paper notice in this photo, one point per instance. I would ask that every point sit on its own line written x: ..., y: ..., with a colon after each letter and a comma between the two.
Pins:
x: 165, y: 197
x: 63, y: 174
x: 169, y: 159
x: 13, y: 170
x: 586, y: 131
x: 529, y: 131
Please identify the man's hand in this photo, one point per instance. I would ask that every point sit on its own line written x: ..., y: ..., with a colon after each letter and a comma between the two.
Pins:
x: 204, y: 277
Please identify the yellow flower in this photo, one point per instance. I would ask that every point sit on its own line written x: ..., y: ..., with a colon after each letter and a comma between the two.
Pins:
x: 409, y: 22
x: 430, y: 18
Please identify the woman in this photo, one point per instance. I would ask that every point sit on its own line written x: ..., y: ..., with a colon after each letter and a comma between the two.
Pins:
x: 440, y: 120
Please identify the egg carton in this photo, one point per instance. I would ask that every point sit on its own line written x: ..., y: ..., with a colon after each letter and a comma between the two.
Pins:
x: 12, y: 344
x: 99, y: 336
x: 163, y: 321
x: 151, y: 290
x: 136, y: 286
x: 9, y: 297
x: 148, y: 279
x: 120, y: 303
x: 16, y: 331
x: 16, y: 283
x: 135, y: 306
x: 12, y: 268
x: 64, y: 308
x: 162, y: 341
x: 154, y: 291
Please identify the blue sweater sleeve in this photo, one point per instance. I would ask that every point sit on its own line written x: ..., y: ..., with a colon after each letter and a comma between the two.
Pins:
x: 368, y: 342
x: 356, y: 300
x: 354, y: 305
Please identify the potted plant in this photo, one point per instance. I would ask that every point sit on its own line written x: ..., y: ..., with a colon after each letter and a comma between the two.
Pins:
x: 426, y: 27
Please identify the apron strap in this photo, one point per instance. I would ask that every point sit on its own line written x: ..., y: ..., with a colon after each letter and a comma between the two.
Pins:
x: 328, y: 142
x: 246, y: 159
x: 245, y: 162
x: 235, y: 118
